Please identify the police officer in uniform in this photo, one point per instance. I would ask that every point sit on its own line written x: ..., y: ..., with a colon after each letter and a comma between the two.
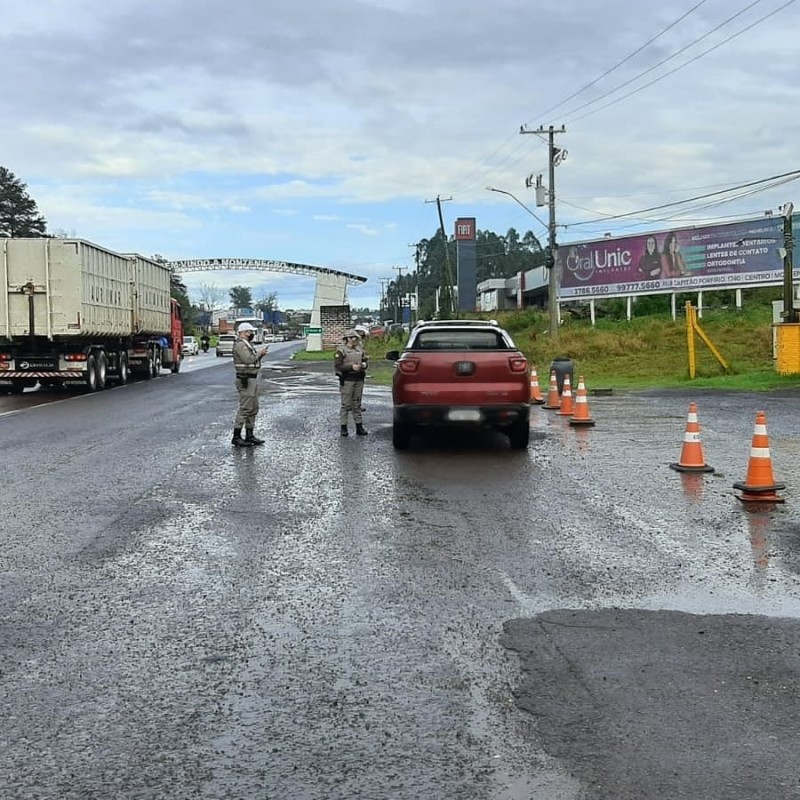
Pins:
x: 350, y: 364
x: 247, y: 362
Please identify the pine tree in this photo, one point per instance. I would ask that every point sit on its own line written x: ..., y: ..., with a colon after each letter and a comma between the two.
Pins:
x: 19, y: 215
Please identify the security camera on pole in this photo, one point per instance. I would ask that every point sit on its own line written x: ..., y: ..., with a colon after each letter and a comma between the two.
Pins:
x: 556, y: 156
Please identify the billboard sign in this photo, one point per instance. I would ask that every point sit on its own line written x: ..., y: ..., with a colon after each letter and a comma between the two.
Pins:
x: 681, y: 260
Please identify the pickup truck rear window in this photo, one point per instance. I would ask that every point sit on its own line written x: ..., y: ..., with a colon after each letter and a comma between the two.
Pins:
x: 459, y: 340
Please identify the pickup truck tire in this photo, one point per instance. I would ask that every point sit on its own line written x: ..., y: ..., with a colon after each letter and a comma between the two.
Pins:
x: 176, y: 367
x: 519, y: 435
x: 401, y: 435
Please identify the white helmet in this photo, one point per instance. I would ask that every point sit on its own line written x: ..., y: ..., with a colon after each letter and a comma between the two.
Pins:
x: 245, y: 326
x: 361, y: 330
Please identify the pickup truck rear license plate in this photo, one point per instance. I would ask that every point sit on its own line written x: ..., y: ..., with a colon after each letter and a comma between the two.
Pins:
x: 464, y: 415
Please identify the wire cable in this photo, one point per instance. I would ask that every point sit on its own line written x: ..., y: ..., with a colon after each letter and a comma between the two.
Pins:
x: 794, y: 173
x: 680, y: 66
x: 623, y: 61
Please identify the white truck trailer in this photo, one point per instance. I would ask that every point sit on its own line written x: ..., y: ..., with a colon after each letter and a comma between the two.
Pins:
x: 78, y: 315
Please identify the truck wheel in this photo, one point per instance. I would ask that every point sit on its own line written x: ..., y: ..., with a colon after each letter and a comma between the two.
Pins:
x: 102, y: 371
x: 150, y: 370
x: 156, y: 363
x: 91, y: 374
x: 123, y: 369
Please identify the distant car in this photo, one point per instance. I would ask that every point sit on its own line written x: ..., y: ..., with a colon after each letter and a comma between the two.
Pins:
x: 460, y: 373
x: 191, y: 347
x: 225, y: 344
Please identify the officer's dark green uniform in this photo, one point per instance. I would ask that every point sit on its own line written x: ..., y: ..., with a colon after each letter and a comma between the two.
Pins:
x: 247, y: 362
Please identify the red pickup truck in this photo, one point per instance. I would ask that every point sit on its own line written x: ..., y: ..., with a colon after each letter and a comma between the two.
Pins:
x: 460, y: 373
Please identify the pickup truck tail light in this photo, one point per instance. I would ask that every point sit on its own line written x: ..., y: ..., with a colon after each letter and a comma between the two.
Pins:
x: 518, y: 364
x: 408, y: 366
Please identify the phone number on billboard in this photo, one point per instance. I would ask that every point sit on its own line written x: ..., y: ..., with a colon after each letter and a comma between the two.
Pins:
x: 645, y: 286
x: 584, y: 290
x: 619, y: 288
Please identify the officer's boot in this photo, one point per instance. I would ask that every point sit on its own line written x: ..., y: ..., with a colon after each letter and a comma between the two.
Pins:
x: 252, y: 438
x: 361, y: 430
x: 237, y: 440
x: 344, y: 430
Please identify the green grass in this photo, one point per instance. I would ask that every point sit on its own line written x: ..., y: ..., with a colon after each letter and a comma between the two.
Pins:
x: 648, y: 352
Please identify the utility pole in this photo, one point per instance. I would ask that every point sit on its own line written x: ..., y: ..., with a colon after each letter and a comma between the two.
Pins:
x: 789, y: 311
x: 384, y: 282
x: 415, y: 310
x: 555, y: 157
x: 446, y: 311
x: 399, y: 287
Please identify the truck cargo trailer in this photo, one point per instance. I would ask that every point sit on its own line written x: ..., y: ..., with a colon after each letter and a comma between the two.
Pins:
x: 76, y: 314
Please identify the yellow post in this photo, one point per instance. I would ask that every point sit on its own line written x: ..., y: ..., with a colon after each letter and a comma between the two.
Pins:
x: 690, y: 323
x: 788, y: 348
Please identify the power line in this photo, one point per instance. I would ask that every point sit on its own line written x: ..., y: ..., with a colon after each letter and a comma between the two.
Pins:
x: 680, y: 66
x: 468, y: 181
x: 793, y: 175
x: 624, y: 60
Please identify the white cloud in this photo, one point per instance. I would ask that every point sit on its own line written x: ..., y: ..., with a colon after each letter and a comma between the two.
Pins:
x: 361, y: 228
x: 228, y: 130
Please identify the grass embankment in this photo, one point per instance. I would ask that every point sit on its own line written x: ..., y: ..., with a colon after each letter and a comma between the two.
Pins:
x: 645, y: 353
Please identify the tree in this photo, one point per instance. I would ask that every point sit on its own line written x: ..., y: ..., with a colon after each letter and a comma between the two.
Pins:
x: 210, y: 301
x: 19, y: 215
x: 268, y: 302
x: 241, y: 297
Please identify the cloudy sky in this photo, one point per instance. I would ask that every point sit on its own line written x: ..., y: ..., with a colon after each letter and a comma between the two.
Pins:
x: 319, y: 131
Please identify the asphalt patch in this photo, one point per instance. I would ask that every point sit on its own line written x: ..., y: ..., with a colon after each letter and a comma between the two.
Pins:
x: 663, y: 704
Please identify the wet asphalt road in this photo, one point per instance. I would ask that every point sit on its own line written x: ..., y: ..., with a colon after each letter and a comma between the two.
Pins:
x: 324, y: 618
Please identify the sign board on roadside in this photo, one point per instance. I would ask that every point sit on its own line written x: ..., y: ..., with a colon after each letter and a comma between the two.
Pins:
x: 307, y: 330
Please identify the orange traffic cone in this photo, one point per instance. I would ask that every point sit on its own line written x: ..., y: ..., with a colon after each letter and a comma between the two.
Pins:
x: 553, y: 400
x: 759, y: 486
x: 692, y: 459
x: 581, y: 415
x: 567, y: 406
x: 536, y: 392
